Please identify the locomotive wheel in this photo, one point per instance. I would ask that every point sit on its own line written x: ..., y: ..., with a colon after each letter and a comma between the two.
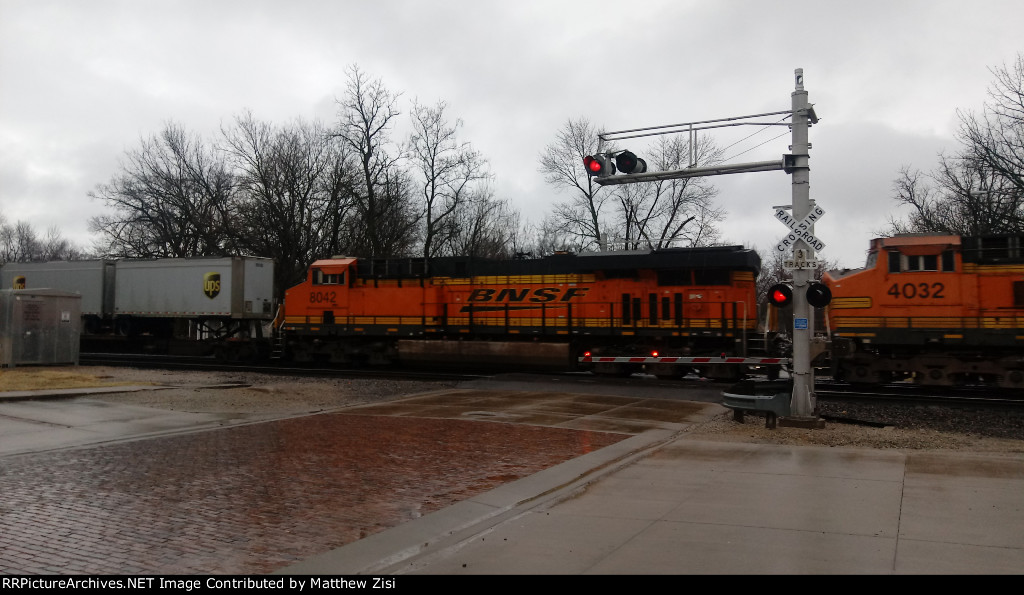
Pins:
x: 863, y: 374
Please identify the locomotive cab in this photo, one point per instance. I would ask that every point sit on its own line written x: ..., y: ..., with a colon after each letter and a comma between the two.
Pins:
x: 323, y: 297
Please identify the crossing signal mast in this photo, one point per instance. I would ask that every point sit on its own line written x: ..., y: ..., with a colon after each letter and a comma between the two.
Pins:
x: 800, y: 244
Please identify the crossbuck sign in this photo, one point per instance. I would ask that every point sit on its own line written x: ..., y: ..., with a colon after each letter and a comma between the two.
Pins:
x: 799, y: 230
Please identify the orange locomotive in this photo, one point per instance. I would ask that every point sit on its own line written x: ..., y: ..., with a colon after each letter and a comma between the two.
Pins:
x: 939, y: 309
x: 546, y: 311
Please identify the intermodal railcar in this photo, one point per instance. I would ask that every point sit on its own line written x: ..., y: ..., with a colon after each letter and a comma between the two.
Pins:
x: 181, y: 305
x: 537, y: 312
x: 937, y: 309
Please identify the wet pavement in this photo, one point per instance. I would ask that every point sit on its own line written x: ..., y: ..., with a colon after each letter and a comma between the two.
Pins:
x: 492, y: 478
x: 257, y: 497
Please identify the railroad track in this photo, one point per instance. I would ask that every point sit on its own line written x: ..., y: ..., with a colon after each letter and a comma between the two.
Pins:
x: 924, y: 395
x: 210, y: 364
x: 840, y: 403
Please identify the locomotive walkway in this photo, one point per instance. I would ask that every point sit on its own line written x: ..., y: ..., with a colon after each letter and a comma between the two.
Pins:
x: 570, y: 485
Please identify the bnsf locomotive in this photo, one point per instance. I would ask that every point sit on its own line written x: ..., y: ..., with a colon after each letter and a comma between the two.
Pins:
x: 544, y: 311
x: 937, y: 309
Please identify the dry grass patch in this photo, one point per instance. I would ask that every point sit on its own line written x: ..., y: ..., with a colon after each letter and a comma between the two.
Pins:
x: 53, y: 378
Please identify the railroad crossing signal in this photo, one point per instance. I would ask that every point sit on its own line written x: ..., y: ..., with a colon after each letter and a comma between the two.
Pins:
x: 795, y: 164
x: 780, y: 295
x: 799, y: 230
x: 599, y: 165
x: 818, y: 295
x: 629, y: 163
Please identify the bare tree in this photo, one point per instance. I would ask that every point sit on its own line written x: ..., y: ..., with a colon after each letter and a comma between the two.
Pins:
x: 550, y: 237
x: 383, y: 205
x: 484, y: 227
x: 6, y: 241
x: 56, y: 247
x: 995, y: 138
x: 961, y: 197
x: 172, y: 197
x: 294, y: 191
x: 21, y: 243
x: 448, y: 171
x: 660, y: 214
x: 979, y: 190
x: 582, y: 216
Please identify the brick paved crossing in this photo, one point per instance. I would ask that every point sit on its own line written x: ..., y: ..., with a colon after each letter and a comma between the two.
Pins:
x: 251, y: 499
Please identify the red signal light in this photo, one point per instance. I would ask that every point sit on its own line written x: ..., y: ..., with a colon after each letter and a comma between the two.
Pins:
x: 598, y: 165
x: 780, y: 295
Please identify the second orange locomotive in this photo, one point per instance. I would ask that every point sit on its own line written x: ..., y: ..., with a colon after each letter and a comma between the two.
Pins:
x: 938, y: 309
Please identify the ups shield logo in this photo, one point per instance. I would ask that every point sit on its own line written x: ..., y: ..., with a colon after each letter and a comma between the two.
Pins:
x: 211, y: 285
x: 19, y: 282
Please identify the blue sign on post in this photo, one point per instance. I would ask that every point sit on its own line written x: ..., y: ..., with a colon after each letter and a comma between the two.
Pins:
x: 800, y: 324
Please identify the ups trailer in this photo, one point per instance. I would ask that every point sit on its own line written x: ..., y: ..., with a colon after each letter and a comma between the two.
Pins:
x: 202, y: 303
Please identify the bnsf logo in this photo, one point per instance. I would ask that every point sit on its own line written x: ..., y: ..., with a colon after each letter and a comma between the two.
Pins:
x: 543, y: 294
x: 211, y: 285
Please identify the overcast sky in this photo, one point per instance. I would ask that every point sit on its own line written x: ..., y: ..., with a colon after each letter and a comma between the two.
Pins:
x: 82, y: 82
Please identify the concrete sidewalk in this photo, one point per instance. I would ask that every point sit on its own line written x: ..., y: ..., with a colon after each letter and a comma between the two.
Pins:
x: 661, y: 503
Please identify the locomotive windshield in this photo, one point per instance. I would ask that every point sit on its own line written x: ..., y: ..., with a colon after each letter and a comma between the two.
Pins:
x: 322, y: 278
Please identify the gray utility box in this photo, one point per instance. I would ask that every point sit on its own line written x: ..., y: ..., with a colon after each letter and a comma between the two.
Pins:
x: 230, y: 287
x: 92, y: 279
x: 39, y: 327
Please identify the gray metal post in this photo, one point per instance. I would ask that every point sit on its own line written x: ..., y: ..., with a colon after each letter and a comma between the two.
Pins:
x: 802, y: 406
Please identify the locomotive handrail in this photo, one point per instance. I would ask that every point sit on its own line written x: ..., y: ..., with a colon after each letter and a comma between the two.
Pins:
x: 720, y: 317
x: 988, y: 320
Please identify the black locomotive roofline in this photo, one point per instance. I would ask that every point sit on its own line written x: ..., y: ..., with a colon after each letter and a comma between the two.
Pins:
x: 1002, y: 249
x: 714, y: 257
